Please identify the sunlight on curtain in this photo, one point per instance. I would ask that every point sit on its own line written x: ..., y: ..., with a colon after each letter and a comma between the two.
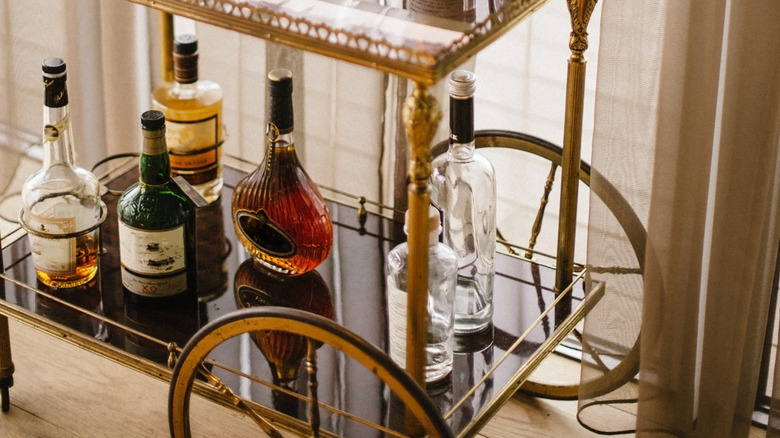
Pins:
x: 687, y: 117
x: 107, y: 80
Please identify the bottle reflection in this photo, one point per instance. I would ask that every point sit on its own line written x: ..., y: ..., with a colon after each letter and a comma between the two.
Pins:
x: 472, y: 360
x: 213, y: 250
x: 68, y: 306
x: 284, y: 352
x: 158, y: 328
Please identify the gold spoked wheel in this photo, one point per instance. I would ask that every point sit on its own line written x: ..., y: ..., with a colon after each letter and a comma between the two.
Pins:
x: 317, y: 330
x: 615, y: 372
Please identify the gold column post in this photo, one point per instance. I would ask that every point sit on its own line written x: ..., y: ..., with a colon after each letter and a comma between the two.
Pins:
x: 421, y: 116
x: 166, y: 46
x: 580, y: 11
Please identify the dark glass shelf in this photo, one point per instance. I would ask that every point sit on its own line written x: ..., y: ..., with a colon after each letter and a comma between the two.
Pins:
x: 348, y: 287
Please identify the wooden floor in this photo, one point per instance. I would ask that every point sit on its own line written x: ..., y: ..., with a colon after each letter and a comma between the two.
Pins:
x: 63, y: 391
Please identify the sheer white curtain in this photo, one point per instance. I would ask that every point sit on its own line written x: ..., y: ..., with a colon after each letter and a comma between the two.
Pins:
x: 688, y: 131
x: 105, y: 46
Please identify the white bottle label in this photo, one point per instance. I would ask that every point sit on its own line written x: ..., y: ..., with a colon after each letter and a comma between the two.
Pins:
x: 53, y: 256
x: 153, y: 262
x: 396, y: 310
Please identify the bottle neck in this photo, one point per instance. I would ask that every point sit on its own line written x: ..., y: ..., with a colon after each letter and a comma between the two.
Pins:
x: 57, y: 133
x: 185, y: 68
x: 280, y: 125
x: 57, y: 137
x: 184, y: 90
x: 461, y: 128
x: 154, y: 163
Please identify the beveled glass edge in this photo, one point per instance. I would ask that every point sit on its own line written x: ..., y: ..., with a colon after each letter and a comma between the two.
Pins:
x: 421, y: 59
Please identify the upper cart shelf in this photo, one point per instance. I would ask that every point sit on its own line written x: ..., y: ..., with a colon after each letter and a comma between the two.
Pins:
x: 419, y: 47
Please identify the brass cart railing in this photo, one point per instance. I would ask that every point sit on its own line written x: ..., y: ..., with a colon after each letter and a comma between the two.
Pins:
x: 417, y: 48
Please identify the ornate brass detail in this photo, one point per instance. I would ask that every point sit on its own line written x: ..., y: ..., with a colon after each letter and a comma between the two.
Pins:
x: 421, y: 114
x: 580, y: 11
x: 367, y: 47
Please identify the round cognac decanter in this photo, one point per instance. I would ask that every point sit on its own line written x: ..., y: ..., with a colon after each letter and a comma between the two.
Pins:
x: 279, y: 214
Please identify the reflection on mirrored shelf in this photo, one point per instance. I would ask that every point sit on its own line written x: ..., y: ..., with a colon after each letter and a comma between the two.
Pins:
x: 347, y: 288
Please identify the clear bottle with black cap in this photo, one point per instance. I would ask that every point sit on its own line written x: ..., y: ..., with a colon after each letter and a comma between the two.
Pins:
x: 62, y: 209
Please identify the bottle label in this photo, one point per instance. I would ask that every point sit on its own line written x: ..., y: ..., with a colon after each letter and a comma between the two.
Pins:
x: 396, y: 314
x: 153, y: 262
x: 154, y: 287
x: 193, y: 145
x: 460, y: 10
x: 265, y: 234
x: 53, y: 256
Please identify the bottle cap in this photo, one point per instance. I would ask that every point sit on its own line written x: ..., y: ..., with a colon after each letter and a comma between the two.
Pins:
x: 434, y: 219
x: 280, y: 82
x: 185, y: 59
x: 462, y: 84
x: 53, y: 67
x: 152, y: 120
x: 185, y: 44
x: 280, y: 110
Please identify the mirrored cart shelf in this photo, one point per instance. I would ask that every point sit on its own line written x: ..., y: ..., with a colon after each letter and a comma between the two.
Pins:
x: 420, y: 47
x: 348, y: 287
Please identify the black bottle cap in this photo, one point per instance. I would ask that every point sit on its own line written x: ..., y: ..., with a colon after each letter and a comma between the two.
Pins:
x: 280, y: 111
x: 280, y: 82
x: 185, y: 44
x: 53, y: 66
x: 152, y: 120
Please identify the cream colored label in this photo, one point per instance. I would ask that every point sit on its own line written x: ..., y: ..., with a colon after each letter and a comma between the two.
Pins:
x: 193, y: 145
x: 153, y: 262
x: 53, y: 256
x: 396, y: 315
x: 155, y: 287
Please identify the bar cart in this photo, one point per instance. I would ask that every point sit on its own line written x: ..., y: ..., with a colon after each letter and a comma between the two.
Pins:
x: 543, y: 301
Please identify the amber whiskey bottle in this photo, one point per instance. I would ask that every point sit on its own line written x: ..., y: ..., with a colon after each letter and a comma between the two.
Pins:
x: 193, y: 111
x: 156, y: 228
x: 279, y: 214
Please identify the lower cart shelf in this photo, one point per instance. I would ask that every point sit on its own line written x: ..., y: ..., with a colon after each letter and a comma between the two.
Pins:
x: 348, y: 289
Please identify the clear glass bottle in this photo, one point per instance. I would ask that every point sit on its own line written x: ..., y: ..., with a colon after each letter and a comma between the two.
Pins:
x: 157, y: 228
x: 279, y: 214
x: 442, y: 273
x: 62, y: 210
x: 193, y: 112
x: 464, y: 188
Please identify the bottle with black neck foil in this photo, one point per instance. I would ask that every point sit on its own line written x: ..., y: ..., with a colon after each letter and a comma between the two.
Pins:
x: 464, y: 188
x: 157, y: 228
x: 193, y: 111
x: 62, y: 208
x: 279, y: 214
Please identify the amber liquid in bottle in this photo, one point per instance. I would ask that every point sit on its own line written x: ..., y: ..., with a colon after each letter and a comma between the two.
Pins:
x: 193, y: 113
x: 86, y: 265
x: 279, y: 214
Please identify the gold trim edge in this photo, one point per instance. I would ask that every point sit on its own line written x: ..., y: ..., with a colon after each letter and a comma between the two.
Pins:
x: 411, y: 62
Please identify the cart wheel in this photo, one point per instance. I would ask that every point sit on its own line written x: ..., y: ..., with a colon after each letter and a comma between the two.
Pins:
x: 317, y: 330
x: 547, y: 158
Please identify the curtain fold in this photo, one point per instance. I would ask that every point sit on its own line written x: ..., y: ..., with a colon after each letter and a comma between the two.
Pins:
x: 687, y: 114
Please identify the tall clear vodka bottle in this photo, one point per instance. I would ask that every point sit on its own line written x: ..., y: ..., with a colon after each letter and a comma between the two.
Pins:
x: 464, y: 189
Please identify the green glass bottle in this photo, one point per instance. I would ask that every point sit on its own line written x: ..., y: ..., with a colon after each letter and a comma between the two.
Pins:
x: 157, y: 228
